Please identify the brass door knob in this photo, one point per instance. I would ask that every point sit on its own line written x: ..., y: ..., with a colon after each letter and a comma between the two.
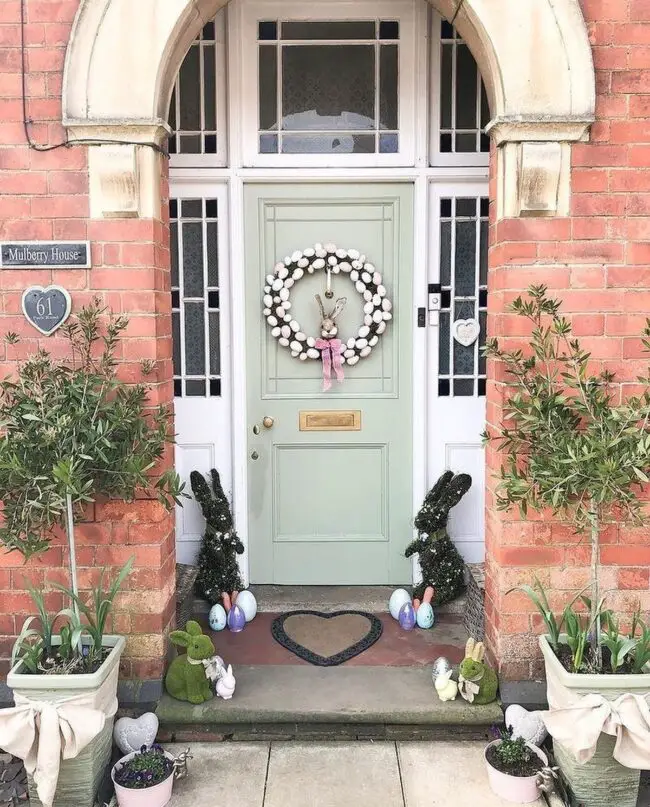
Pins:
x: 268, y: 422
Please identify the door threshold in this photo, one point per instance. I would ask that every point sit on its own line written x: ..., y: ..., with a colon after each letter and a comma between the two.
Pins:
x: 374, y: 599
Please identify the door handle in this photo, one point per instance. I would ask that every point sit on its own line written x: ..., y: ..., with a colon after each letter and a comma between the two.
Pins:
x: 268, y: 422
x: 254, y: 455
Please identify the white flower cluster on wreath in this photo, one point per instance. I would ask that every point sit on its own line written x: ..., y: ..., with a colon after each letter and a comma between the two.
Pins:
x: 367, y: 281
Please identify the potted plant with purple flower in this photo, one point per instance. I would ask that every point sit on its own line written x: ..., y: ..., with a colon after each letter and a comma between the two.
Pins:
x: 144, y: 778
x: 513, y: 766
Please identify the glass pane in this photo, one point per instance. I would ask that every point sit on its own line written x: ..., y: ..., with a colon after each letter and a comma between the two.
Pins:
x: 212, y: 248
x: 389, y: 143
x: 389, y: 29
x: 268, y: 144
x: 465, y: 270
x: 446, y: 86
x: 267, y: 30
x: 215, y: 350
x: 318, y: 95
x: 443, y: 387
x: 466, y: 143
x: 193, y: 283
x: 446, y: 30
x: 328, y: 144
x: 194, y: 339
x: 465, y: 207
x: 215, y: 387
x: 483, y: 259
x: 192, y: 208
x: 190, y: 91
x: 208, y: 31
x: 173, y: 237
x: 443, y: 345
x: 464, y: 387
x: 329, y: 30
x: 482, y: 363
x: 445, y: 143
x: 445, y: 253
x: 172, y: 112
x: 210, y: 144
x: 464, y: 356
x: 190, y: 144
x: 210, y: 88
x: 195, y: 389
x: 176, y: 340
x: 485, y: 107
x: 466, y: 88
x: 388, y: 87
x: 268, y: 86
x: 178, y: 388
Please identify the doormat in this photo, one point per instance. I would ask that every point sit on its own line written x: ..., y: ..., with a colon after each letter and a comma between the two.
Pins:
x: 326, y: 639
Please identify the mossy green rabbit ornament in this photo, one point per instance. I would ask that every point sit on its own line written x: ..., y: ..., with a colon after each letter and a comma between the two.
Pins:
x: 186, y: 679
x: 477, y: 682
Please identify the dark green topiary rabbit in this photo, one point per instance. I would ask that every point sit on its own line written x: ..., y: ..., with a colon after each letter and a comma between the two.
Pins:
x: 441, y: 563
x: 186, y: 679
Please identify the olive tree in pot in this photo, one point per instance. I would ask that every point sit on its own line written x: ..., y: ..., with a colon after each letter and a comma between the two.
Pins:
x: 72, y: 432
x: 572, y: 446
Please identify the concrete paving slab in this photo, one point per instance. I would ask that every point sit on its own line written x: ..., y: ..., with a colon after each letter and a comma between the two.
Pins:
x: 325, y: 775
x: 222, y: 774
x: 307, y: 694
x: 446, y: 774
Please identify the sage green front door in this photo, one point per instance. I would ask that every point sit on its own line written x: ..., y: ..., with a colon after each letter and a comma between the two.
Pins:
x: 330, y: 475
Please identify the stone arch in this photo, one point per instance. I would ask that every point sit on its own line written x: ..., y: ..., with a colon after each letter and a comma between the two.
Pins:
x: 535, y: 59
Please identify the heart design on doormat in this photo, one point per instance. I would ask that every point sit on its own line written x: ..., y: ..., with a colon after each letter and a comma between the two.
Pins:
x: 326, y: 639
x: 466, y: 331
x: 46, y: 308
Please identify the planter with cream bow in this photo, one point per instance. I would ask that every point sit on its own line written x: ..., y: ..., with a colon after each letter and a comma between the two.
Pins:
x: 62, y: 727
x: 605, y: 715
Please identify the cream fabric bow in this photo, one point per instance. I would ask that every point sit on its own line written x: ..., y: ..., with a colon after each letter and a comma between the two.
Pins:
x: 468, y: 688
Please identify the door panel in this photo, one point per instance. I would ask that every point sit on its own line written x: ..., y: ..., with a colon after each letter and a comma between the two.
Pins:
x: 332, y: 506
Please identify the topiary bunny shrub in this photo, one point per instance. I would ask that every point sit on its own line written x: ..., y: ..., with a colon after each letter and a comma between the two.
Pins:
x: 186, y: 679
x: 477, y: 682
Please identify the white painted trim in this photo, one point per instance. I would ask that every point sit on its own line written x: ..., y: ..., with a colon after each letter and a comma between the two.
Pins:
x: 255, y: 10
x: 436, y: 173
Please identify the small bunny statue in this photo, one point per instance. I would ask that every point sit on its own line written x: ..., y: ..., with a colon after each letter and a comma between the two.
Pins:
x: 327, y: 325
x: 446, y: 687
x: 477, y: 682
x: 226, y: 684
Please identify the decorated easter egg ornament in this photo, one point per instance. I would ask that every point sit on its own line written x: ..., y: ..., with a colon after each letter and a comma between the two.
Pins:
x: 440, y: 666
x: 425, y: 616
x: 247, y: 602
x: 236, y: 619
x: 406, y: 616
x: 397, y: 599
x: 217, y: 617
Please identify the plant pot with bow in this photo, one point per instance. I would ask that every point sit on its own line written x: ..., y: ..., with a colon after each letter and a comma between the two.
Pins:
x: 72, y: 432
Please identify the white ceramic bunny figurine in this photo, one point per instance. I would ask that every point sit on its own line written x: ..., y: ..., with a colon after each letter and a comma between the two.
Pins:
x: 226, y: 684
x: 327, y: 325
x: 446, y: 687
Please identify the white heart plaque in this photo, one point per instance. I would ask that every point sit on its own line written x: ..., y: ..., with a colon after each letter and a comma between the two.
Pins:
x: 466, y: 331
x: 528, y: 725
x: 131, y: 734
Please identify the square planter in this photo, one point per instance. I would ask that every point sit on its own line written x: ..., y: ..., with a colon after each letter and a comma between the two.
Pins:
x: 79, y: 778
x: 601, y: 782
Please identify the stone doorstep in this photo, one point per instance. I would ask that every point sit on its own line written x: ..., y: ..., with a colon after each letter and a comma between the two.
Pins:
x: 300, y: 702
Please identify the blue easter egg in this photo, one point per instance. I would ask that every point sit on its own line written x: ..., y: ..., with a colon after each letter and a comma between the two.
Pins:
x: 406, y: 617
x: 236, y: 619
x: 425, y: 616
x: 217, y: 617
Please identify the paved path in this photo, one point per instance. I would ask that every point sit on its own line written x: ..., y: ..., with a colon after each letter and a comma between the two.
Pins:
x: 359, y: 774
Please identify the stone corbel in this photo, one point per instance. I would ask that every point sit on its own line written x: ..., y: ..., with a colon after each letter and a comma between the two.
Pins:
x: 534, y: 166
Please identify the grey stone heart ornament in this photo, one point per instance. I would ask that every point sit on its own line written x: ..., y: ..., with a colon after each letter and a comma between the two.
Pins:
x: 131, y: 734
x: 466, y: 331
x: 46, y: 308
x: 528, y: 725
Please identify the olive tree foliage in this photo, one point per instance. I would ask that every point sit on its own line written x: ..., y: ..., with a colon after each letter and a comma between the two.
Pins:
x: 572, y: 441
x: 72, y: 431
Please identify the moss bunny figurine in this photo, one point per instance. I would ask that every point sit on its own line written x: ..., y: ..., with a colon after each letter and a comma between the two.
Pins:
x: 186, y: 679
x: 477, y: 682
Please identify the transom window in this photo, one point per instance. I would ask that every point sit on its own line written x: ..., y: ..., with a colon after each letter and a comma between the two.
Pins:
x: 328, y: 87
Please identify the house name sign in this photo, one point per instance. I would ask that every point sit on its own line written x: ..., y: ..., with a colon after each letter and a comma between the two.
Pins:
x: 45, y: 255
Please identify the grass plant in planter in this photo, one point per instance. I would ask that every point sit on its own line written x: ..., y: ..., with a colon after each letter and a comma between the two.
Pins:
x: 572, y: 446
x: 144, y: 778
x: 512, y: 766
x: 72, y: 432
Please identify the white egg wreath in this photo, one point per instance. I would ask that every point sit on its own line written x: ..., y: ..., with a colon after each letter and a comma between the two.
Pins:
x: 367, y: 280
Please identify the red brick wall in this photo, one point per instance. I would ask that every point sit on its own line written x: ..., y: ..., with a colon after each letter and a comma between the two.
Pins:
x: 44, y: 195
x: 597, y: 262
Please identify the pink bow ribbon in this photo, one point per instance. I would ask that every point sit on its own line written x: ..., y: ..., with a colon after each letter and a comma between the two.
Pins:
x: 331, y: 350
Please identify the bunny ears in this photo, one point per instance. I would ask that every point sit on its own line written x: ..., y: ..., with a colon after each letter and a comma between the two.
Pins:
x: 474, y: 650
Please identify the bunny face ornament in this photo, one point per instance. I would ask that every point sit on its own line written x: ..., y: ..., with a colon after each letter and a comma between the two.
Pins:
x: 328, y: 328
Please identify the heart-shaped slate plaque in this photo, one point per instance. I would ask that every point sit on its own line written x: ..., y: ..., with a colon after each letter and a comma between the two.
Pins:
x: 326, y: 640
x: 46, y: 308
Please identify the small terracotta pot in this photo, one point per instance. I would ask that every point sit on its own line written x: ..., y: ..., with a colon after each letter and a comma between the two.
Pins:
x: 156, y: 796
x: 518, y: 789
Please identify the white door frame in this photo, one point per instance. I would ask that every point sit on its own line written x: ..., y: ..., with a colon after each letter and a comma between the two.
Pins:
x: 233, y: 179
